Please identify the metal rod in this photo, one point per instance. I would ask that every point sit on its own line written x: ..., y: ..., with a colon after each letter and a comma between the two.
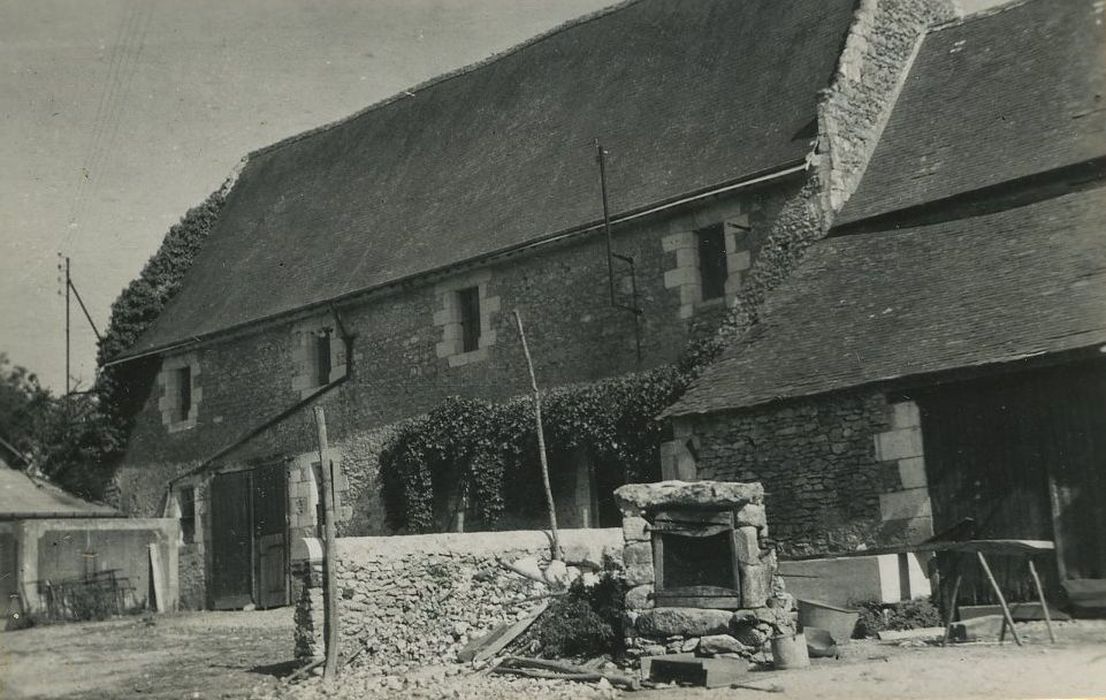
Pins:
x: 330, y: 565
x: 87, y: 316
x: 600, y: 155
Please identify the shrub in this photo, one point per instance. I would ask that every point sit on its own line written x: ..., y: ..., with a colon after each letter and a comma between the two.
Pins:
x: 585, y: 621
x: 877, y: 617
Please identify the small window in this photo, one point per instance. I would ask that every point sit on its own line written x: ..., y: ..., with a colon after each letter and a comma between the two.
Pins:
x: 186, y: 501
x: 712, y: 261
x: 184, y: 392
x: 469, y: 301
x: 322, y: 357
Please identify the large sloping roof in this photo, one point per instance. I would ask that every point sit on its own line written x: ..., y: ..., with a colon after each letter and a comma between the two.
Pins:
x: 23, y: 497
x: 879, y: 306
x: 989, y: 99
x: 685, y: 95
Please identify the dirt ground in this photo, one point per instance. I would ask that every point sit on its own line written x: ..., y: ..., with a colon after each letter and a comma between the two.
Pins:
x: 186, y: 655
x: 235, y: 654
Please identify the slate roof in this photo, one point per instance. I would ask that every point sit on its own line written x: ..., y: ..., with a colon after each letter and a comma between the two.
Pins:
x: 884, y: 305
x: 685, y: 95
x: 23, y: 497
x: 991, y: 98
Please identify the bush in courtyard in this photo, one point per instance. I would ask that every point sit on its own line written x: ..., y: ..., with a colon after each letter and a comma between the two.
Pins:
x: 876, y: 617
x: 586, y: 621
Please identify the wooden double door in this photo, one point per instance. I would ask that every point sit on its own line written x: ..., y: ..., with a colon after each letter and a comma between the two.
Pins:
x: 1024, y: 456
x: 249, y: 524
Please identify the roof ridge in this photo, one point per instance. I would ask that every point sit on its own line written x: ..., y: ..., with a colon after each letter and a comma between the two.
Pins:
x: 980, y: 14
x: 449, y: 75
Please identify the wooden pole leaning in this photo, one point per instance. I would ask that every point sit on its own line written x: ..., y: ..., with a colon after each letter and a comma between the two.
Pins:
x: 330, y: 586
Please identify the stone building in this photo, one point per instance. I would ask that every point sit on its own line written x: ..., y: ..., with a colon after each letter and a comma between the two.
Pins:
x: 938, y: 357
x: 370, y: 266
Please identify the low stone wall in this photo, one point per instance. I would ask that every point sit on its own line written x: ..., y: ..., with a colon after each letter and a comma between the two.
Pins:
x: 421, y: 598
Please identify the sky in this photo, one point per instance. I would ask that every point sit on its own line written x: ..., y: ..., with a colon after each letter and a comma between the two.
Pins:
x: 116, y: 116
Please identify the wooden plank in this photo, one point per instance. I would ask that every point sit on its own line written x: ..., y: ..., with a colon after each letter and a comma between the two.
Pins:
x: 702, y: 591
x: 492, y: 643
x: 689, y: 529
x: 691, y: 516
x: 159, y: 603
x: 682, y: 601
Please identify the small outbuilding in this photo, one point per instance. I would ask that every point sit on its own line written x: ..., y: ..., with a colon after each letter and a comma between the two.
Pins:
x: 63, y: 557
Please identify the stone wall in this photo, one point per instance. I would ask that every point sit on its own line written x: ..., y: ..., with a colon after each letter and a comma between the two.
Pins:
x: 828, y: 488
x: 419, y: 599
x: 876, y: 58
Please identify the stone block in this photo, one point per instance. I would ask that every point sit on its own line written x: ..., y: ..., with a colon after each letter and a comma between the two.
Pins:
x: 747, y: 545
x: 899, y: 444
x: 751, y: 515
x: 640, y: 597
x: 912, y: 473
x: 900, y: 505
x: 638, y: 553
x: 905, y: 415
x: 689, y: 622
x: 639, y: 574
x: 635, y: 529
x: 712, y: 644
x: 756, y: 585
x: 675, y: 241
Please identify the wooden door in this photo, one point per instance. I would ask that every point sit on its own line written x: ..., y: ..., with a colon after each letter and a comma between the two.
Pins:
x: 270, y: 520
x: 1024, y: 456
x: 232, y: 541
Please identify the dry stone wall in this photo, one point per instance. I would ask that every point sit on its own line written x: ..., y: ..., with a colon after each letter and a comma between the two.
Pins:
x: 419, y: 599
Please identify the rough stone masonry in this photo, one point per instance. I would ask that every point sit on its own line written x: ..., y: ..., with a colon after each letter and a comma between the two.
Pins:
x: 709, y: 620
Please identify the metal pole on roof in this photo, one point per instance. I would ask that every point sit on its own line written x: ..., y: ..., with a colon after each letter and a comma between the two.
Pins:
x: 600, y: 154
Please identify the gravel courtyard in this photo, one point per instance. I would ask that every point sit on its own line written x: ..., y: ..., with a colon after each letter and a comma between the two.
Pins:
x: 244, y: 655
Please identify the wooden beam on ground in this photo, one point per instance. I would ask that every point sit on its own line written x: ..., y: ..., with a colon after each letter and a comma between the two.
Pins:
x: 494, y: 642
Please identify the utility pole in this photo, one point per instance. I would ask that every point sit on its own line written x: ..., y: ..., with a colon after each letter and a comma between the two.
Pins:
x: 68, y: 286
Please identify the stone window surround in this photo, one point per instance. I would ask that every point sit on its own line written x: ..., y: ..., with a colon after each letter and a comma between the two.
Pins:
x: 167, y: 380
x: 303, y: 333
x: 448, y: 318
x: 685, y: 277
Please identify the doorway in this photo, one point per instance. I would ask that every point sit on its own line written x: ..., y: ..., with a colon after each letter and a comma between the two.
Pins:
x: 249, y: 525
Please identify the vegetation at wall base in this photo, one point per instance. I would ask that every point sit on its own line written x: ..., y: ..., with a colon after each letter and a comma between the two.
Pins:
x: 585, y: 622
x: 876, y: 617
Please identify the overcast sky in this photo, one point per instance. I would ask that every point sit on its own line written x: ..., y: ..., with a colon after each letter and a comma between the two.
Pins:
x: 118, y: 115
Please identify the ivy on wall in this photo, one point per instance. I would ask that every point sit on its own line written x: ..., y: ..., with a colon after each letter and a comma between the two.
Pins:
x: 120, y: 390
x: 488, y: 451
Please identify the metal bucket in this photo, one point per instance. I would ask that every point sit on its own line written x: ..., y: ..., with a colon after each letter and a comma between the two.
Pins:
x: 839, y: 622
x: 789, y: 651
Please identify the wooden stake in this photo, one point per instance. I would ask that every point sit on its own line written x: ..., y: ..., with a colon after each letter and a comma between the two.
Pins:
x: 952, y: 604
x: 330, y: 615
x: 541, y: 440
x: 1041, y: 597
x: 1001, y: 600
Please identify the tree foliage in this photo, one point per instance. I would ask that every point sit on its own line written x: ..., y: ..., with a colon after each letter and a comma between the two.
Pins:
x: 22, y: 404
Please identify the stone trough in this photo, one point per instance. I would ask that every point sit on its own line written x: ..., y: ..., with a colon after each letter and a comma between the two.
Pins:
x: 702, y: 573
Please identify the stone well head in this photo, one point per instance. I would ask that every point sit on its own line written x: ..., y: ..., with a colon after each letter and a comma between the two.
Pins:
x: 697, y: 543
x: 698, y: 560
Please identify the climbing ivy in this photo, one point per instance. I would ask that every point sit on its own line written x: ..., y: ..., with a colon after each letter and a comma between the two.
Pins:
x: 488, y: 450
